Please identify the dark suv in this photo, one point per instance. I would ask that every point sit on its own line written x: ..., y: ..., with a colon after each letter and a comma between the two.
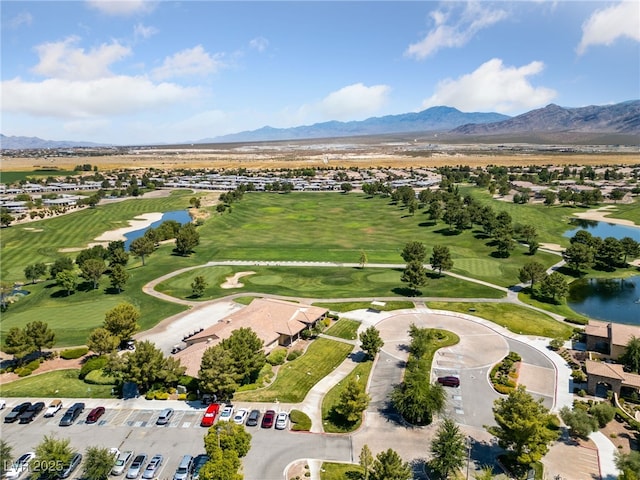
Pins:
x: 71, y: 414
x: 16, y: 411
x: 449, y: 381
x: 31, y: 412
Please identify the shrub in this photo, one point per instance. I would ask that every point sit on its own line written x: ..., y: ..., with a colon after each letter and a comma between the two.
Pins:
x: 192, y: 397
x: 577, y: 321
x: 161, y: 396
x: 182, y: 396
x: 301, y: 421
x: 73, y: 353
x: 32, y: 365
x: 94, y: 363
x: 23, y: 372
x: 150, y: 395
x: 504, y: 389
x: 277, y: 356
x: 191, y: 383
x: 96, y: 377
x: 293, y: 354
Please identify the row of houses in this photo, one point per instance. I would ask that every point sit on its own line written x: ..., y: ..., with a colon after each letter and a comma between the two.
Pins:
x: 20, y: 206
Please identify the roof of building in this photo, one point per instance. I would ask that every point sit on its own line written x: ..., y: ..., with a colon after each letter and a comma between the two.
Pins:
x: 603, y: 369
x: 617, y: 333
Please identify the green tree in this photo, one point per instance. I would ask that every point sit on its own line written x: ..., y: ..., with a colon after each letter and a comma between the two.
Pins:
x: 67, y: 280
x: 610, y: 254
x: 441, y: 258
x: 222, y: 465
x: 102, y: 341
x: 414, y: 252
x: 187, y: 238
x: 554, y: 287
x: 227, y: 436
x: 245, y: 350
x: 198, y: 286
x: 366, y: 461
x: 603, y: 413
x: 6, y: 219
x: 580, y: 423
x: 122, y: 321
x: 531, y: 272
x: 52, y: 455
x: 5, y: 291
x: 98, y: 462
x: 352, y: 402
x: 92, y: 269
x: 448, y: 449
x: 118, y: 257
x: 40, y: 334
x: 388, y: 465
x: 523, y: 426
x: 630, y: 247
x: 59, y: 265
x: 18, y: 343
x: 118, y: 277
x: 371, y: 342
x: 631, y: 355
x: 6, y: 456
x: 628, y: 464
x: 415, y: 275
x: 416, y: 399
x: 578, y: 256
x: 346, y: 187
x: 35, y: 271
x: 217, y: 374
x: 195, y: 202
x: 142, y: 247
x: 504, y: 242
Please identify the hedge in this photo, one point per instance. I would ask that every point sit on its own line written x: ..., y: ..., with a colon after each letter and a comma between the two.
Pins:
x: 277, y: 356
x: 73, y: 353
x: 301, y: 421
x: 94, y: 363
x: 293, y: 354
x: 96, y: 377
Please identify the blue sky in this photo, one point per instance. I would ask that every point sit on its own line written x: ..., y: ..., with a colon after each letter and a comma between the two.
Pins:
x: 135, y: 72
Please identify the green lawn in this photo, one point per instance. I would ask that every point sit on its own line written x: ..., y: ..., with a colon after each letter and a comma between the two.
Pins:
x: 331, y: 422
x: 320, y: 282
x: 60, y: 383
x: 296, y: 378
x: 340, y: 471
x: 561, y: 309
x: 349, y: 306
x: 344, y: 328
x: 517, y: 319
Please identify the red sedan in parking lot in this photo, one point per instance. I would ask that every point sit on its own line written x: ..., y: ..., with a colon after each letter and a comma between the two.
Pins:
x: 268, y: 419
x: 95, y: 414
x: 210, y: 415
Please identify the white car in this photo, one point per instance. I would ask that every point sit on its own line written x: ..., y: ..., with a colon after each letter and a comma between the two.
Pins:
x: 20, y: 466
x: 282, y: 420
x: 53, y: 408
x: 240, y: 416
x: 226, y: 414
x: 3, y: 404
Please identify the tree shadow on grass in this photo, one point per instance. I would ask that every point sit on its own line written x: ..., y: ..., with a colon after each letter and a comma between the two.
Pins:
x: 448, y: 232
x: 61, y: 294
x: 406, y: 292
x: 427, y: 224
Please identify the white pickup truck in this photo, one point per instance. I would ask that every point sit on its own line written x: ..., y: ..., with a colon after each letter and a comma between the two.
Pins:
x: 53, y: 408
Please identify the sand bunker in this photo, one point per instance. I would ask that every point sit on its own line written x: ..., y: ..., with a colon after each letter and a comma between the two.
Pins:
x: 232, y: 282
x: 138, y: 223
x: 32, y: 229
x: 552, y: 246
x: 600, y: 215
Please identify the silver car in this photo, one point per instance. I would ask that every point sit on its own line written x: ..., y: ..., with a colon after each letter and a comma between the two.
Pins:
x: 153, y: 467
x: 121, y: 462
x: 136, y: 465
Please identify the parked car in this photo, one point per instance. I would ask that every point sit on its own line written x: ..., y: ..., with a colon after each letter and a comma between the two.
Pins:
x: 252, y: 419
x: 240, y: 416
x: 53, y: 408
x: 210, y: 415
x: 3, y: 403
x: 184, y: 468
x: 16, y: 411
x: 71, y: 414
x: 165, y: 416
x: 95, y: 414
x: 282, y: 420
x: 226, y: 414
x: 114, y: 452
x: 121, y: 462
x: 136, y: 466
x: 449, y: 381
x: 198, y: 463
x: 153, y: 467
x: 20, y: 466
x: 75, y: 461
x: 267, y: 420
x: 31, y: 412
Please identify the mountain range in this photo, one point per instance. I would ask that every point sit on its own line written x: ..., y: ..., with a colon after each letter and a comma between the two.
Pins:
x: 621, y: 119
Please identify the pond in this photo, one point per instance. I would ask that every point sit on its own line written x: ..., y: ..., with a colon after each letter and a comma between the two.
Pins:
x: 603, y: 229
x: 612, y: 300
x: 180, y: 216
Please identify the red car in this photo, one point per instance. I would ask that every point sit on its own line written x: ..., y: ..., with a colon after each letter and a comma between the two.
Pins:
x: 210, y: 415
x: 267, y: 420
x: 95, y: 414
x: 449, y: 381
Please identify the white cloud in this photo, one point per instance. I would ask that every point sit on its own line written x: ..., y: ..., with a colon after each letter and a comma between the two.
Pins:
x: 354, y: 101
x: 493, y: 87
x: 21, y: 19
x: 66, y: 98
x: 122, y: 7
x: 192, y: 61
x: 64, y: 60
x: 259, y: 43
x: 449, y: 33
x: 607, y: 25
x: 142, y: 31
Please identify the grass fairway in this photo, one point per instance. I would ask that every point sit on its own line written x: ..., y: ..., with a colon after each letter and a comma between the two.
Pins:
x: 562, y: 309
x: 340, y: 471
x: 41, y: 241
x: 320, y: 282
x: 332, y: 422
x: 61, y: 383
x: 349, y: 306
x: 344, y: 328
x: 516, y: 319
x: 296, y: 378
